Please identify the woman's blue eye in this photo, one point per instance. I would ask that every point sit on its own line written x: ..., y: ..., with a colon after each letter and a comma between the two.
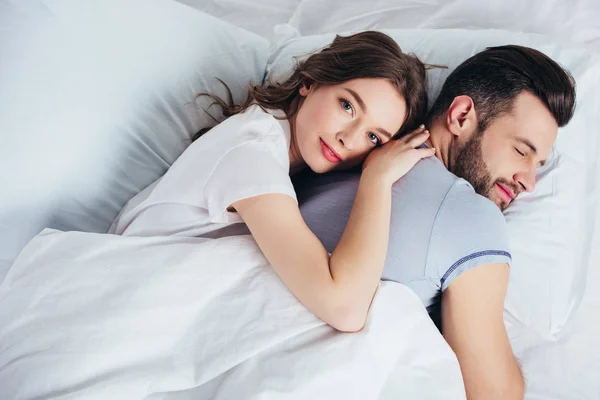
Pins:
x: 346, y: 106
x: 374, y: 138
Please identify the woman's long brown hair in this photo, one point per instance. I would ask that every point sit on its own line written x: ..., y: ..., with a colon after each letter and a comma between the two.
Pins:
x: 367, y: 54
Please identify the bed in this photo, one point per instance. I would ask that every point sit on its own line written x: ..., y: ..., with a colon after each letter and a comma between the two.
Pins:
x: 130, y: 87
x: 563, y: 367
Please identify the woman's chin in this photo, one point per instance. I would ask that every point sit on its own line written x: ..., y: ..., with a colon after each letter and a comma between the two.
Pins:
x: 320, y: 169
x: 323, y: 167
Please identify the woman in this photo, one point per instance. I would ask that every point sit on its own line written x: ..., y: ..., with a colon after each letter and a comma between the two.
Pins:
x: 340, y: 108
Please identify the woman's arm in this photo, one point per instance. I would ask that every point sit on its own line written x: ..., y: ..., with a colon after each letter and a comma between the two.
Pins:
x: 337, y: 288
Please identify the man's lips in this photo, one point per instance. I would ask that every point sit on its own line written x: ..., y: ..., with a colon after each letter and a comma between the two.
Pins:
x: 506, y: 192
x: 330, y: 154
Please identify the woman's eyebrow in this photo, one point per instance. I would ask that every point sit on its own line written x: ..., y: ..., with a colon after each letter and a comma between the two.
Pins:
x: 384, y: 133
x: 358, y: 99
x: 363, y: 107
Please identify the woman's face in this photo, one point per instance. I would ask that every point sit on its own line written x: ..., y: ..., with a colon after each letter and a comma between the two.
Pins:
x: 337, y: 126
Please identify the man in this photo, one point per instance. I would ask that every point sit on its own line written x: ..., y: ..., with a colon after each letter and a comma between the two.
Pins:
x: 492, y: 125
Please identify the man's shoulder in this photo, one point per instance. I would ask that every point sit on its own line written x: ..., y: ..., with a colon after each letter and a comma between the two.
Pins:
x: 435, y: 191
x: 461, y: 228
x: 463, y: 203
x: 428, y: 174
x: 470, y: 230
x: 453, y: 198
x: 423, y: 189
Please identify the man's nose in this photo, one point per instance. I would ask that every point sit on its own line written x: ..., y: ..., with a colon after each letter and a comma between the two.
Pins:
x: 526, y: 179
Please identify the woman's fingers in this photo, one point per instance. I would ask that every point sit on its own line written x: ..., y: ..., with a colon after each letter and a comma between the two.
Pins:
x: 418, y: 139
x: 416, y: 132
x: 425, y: 152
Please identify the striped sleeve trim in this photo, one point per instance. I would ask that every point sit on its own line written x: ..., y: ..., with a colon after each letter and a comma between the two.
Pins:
x: 470, y: 257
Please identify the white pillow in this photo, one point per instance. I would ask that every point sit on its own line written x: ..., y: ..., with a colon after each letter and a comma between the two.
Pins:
x: 97, y: 101
x: 562, y: 19
x: 550, y: 230
x: 255, y: 16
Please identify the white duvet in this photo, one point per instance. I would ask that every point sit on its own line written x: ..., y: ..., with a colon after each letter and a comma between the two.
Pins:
x: 100, y: 316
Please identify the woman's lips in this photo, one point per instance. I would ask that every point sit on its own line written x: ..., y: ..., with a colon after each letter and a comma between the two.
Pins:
x: 330, y: 154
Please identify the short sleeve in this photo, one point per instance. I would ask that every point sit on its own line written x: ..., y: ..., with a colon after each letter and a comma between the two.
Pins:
x: 469, y: 231
x: 249, y: 169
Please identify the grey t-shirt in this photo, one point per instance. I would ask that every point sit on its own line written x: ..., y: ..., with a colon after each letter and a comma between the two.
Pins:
x: 440, y: 227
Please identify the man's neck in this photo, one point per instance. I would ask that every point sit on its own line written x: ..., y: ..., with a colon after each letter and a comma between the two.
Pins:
x: 438, y: 140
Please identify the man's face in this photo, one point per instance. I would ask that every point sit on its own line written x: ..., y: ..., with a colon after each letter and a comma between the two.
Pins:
x: 501, y: 162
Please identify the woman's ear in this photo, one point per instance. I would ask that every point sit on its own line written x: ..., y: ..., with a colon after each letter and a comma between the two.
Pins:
x: 461, y: 119
x: 305, y: 88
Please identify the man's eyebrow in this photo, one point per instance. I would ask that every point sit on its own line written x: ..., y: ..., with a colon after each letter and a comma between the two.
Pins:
x: 358, y: 99
x: 527, y: 143
x: 531, y: 146
x: 363, y: 107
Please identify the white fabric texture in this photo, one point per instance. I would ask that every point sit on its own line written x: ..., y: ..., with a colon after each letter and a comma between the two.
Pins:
x: 565, y: 20
x: 550, y: 228
x: 255, y: 16
x: 576, y: 21
x: 75, y: 76
x: 244, y: 156
x: 98, y: 316
x: 97, y: 101
x: 567, y: 368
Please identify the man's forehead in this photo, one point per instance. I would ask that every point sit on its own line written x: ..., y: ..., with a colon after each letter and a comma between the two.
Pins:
x: 526, y: 102
x: 530, y: 122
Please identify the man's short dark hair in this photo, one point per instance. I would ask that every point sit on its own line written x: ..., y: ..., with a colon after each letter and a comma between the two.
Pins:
x: 494, y: 77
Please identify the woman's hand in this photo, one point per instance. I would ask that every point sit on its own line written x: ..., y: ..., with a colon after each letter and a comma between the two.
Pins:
x: 394, y: 159
x: 338, y: 288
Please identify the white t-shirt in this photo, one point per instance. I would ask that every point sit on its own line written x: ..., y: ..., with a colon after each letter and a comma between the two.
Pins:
x: 244, y: 156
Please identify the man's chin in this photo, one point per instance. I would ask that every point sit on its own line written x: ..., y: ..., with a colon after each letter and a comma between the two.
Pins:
x: 500, y: 203
x: 503, y: 206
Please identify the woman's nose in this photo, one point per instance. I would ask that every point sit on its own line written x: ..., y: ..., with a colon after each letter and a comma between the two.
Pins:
x: 347, y: 138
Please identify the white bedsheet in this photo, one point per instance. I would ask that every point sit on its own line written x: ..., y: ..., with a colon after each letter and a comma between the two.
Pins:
x: 568, y: 368
x: 91, y: 316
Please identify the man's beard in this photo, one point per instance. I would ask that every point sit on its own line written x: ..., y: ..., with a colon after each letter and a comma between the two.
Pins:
x: 470, y: 165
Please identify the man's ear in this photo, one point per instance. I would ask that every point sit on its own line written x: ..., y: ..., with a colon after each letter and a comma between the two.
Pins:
x: 461, y: 119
